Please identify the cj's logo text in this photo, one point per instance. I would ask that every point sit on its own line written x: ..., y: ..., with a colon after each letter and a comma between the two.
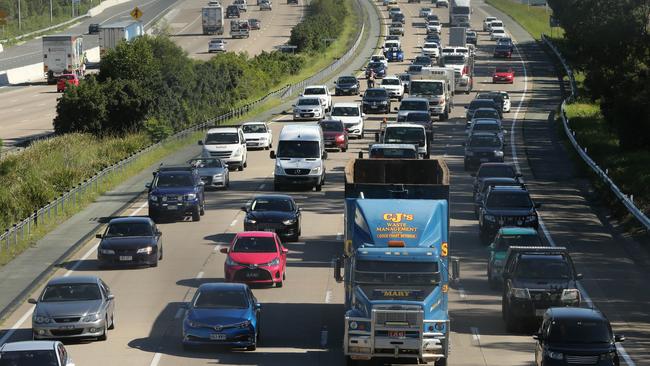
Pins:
x: 398, y: 217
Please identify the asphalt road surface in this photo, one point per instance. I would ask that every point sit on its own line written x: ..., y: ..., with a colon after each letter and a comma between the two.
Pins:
x: 294, y: 317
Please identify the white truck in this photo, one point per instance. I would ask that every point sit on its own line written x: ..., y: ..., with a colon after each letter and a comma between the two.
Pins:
x: 404, y: 133
x: 212, y: 20
x: 436, y: 84
x: 110, y: 35
x: 457, y: 37
x: 63, y: 54
x: 239, y: 29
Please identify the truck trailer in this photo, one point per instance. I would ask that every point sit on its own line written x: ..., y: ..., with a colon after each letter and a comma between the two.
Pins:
x: 212, y: 18
x: 63, y: 54
x: 110, y: 35
x: 395, y: 264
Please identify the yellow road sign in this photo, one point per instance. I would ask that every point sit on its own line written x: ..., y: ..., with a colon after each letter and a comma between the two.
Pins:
x: 136, y: 13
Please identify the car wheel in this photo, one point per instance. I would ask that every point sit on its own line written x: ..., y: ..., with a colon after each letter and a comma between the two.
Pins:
x: 161, y: 253
x: 279, y: 284
x: 196, y: 214
x: 350, y: 362
x: 104, y: 335
x: 202, y: 209
x: 240, y: 167
x: 511, y: 321
x: 344, y: 149
x: 112, y: 322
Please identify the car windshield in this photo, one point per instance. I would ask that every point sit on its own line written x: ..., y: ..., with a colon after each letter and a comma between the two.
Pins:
x: 496, y: 24
x: 252, y: 244
x: 404, y: 134
x: 496, y: 171
x: 470, y: 34
x: 315, y: 91
x: 500, y: 70
x: 396, y: 153
x: 498, y: 31
x: 546, y: 267
x: 485, y: 141
x: 347, y: 80
x: 345, y: 111
x: 391, y: 45
x: 298, y: 149
x: 453, y: 60
x: 504, y: 242
x: 308, y: 101
x: 219, y: 299
x: 71, y: 292
x: 28, y: 358
x: 375, y: 65
x: 434, y: 22
x: 430, y: 45
x: 256, y: 128
x: 414, y: 105
x: 272, y: 204
x: 426, y: 88
x: 516, y: 200
x: 492, y: 127
x: 174, y: 180
x: 222, y: 138
x: 206, y: 163
x: 580, y: 331
x: 332, y: 126
x: 376, y: 93
x: 122, y: 229
x: 486, y: 113
x: 418, y: 117
x: 390, y: 81
x: 476, y: 104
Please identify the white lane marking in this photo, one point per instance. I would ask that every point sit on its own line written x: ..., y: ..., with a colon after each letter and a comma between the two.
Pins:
x: 179, y: 313
x: 547, y: 233
x: 156, y: 359
x: 476, y: 336
x: 189, y: 25
x: 233, y: 223
x: 328, y: 296
x: 461, y: 293
x: 199, y: 275
x: 262, y: 186
x: 339, y: 236
x: 85, y: 256
x: 137, y: 210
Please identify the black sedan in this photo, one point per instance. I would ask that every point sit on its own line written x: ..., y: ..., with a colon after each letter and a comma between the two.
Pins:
x: 276, y: 212
x: 130, y: 241
x: 347, y: 85
x: 376, y: 100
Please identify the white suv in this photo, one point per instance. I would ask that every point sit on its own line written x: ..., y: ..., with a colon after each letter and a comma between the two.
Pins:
x: 393, y: 86
x: 227, y: 144
x: 320, y: 91
x: 257, y: 134
x: 351, y: 116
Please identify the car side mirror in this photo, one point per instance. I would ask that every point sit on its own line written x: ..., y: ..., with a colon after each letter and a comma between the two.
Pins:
x: 32, y: 301
x: 258, y: 306
x: 200, y: 142
x: 147, y: 185
x: 285, y: 251
x: 579, y: 276
x: 338, y: 266
x: 110, y: 297
x: 224, y: 250
x: 363, y: 114
x: 272, y: 154
x: 98, y: 236
x: 619, y: 338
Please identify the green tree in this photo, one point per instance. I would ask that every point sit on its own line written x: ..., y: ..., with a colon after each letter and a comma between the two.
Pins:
x: 82, y: 109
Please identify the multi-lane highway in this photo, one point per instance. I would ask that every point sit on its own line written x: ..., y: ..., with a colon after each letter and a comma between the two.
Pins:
x: 30, y: 110
x: 296, y: 316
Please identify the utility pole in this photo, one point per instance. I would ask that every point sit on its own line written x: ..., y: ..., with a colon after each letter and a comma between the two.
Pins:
x: 51, y: 11
x: 20, y: 22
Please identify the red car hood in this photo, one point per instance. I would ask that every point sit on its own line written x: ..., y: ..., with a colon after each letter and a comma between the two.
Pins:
x: 252, y: 258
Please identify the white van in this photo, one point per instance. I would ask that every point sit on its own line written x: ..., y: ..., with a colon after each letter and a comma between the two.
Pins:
x: 300, y: 157
x: 227, y: 144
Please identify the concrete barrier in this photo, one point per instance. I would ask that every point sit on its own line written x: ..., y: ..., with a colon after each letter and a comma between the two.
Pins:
x: 25, y: 74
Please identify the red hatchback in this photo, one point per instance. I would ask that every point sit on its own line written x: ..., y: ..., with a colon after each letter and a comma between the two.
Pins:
x: 503, y: 75
x: 256, y: 257
x: 65, y: 80
x: 334, y: 134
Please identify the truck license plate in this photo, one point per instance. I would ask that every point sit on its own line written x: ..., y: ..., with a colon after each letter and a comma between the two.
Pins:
x: 174, y: 207
x: 218, y: 337
x: 126, y: 258
x: 395, y: 334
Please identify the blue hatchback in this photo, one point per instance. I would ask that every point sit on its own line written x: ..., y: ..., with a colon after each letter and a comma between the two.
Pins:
x: 222, y: 314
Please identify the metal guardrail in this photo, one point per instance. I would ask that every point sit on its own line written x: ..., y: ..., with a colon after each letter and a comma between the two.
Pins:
x: 69, y: 200
x: 626, y: 200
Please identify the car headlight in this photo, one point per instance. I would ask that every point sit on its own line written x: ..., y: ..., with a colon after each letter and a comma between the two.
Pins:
x: 554, y: 355
x: 289, y: 222
x: 489, y: 217
x: 384, y: 102
x: 230, y: 262
x: 249, y: 220
x: 244, y: 324
x: 570, y: 295
x: 145, y: 250
x: 217, y: 176
x: 279, y: 170
x: 608, y: 356
x: 106, y: 251
x: 195, y: 324
x: 353, y: 325
x: 238, y: 152
x: 190, y: 196
x: 498, y: 153
x: 90, y: 318
x: 272, y: 263
x: 42, y: 320
x: 315, y: 170
x: 520, y: 293
x: 153, y: 198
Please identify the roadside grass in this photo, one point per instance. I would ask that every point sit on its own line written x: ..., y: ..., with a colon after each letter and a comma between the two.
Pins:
x: 534, y: 19
x: 72, y: 158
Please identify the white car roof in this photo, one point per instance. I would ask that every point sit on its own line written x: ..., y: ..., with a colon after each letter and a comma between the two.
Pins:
x: 28, y: 346
x: 350, y: 104
x: 300, y: 132
x: 254, y: 123
x: 400, y: 124
x: 223, y: 129
x: 315, y: 86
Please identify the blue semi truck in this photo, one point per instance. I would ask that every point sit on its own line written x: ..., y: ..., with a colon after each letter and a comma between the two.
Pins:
x: 396, y: 264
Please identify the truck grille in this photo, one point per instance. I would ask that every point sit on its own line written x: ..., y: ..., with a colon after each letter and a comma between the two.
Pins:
x: 297, y: 171
x: 581, y: 360
x: 383, y: 317
x: 220, y: 154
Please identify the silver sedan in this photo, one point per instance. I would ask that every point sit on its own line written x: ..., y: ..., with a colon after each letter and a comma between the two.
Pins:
x: 73, y: 307
x: 214, y: 172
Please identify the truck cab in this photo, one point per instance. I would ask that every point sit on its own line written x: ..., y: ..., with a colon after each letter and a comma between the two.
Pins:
x: 436, y: 84
x: 405, y: 133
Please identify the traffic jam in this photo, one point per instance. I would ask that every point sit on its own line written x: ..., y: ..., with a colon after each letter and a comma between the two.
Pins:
x: 397, y: 268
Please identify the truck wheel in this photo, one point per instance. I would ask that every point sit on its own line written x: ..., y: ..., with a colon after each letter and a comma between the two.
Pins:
x: 196, y: 214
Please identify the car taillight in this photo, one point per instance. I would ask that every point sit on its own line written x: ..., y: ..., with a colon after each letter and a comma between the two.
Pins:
x: 465, y: 69
x: 340, y: 138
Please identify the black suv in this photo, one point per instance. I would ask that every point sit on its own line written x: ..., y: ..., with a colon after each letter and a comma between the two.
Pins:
x: 535, y: 279
x: 494, y: 170
x: 346, y: 85
x: 570, y: 336
x: 176, y: 194
x: 483, y: 147
x: 506, y: 206
x: 376, y: 100
x: 488, y: 183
